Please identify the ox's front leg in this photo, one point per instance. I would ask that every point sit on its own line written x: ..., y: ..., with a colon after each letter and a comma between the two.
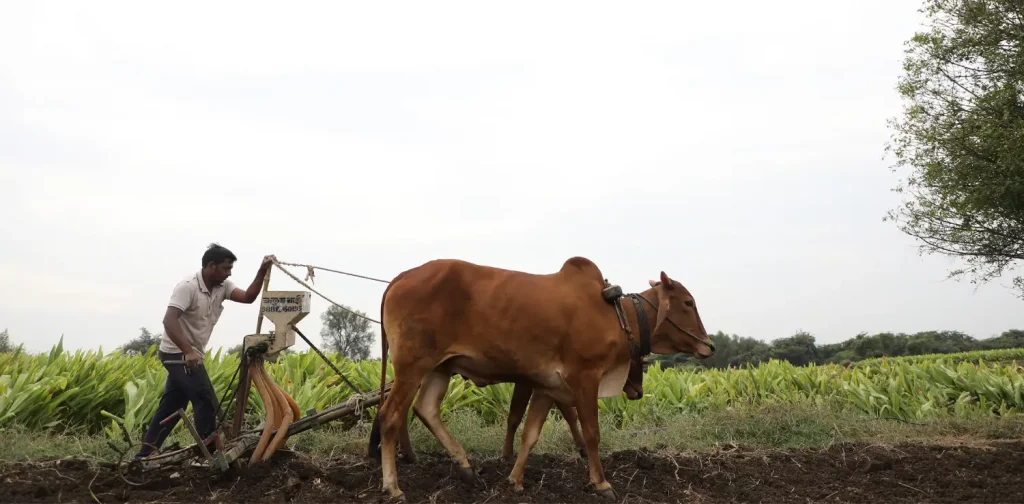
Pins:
x: 586, y: 408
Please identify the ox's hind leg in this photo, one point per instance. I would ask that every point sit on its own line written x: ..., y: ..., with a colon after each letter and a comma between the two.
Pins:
x: 540, y: 404
x: 520, y: 399
x: 393, y: 414
x: 428, y: 409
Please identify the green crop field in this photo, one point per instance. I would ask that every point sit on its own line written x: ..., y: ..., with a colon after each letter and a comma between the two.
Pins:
x: 92, y: 391
x: 81, y: 404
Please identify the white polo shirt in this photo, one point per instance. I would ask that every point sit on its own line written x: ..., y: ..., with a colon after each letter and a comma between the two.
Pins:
x: 201, y: 308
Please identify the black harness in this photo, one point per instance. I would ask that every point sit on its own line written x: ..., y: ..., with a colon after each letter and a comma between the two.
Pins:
x: 644, y: 347
x: 613, y: 295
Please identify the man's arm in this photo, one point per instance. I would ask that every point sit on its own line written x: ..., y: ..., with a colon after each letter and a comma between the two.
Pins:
x: 180, y: 300
x: 249, y: 295
x: 172, y: 328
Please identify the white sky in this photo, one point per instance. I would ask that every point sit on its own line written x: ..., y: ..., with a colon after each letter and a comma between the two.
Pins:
x: 736, y: 145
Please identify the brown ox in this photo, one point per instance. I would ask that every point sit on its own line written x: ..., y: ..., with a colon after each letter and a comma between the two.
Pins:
x: 554, y: 331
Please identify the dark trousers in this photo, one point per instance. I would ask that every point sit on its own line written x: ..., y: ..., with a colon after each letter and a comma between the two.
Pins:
x: 182, y: 388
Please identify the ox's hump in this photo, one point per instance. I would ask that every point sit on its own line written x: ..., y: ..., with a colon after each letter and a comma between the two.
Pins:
x: 579, y: 263
x: 581, y: 266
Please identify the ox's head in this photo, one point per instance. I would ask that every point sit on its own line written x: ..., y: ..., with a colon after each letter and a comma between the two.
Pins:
x: 678, y: 328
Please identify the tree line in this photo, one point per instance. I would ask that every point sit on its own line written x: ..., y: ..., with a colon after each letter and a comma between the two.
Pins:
x: 801, y: 348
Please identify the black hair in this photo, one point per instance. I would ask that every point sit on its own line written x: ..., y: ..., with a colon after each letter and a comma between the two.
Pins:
x: 217, y: 254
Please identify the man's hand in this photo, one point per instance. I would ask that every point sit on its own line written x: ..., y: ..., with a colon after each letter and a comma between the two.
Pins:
x: 249, y: 295
x: 268, y: 261
x: 192, y: 358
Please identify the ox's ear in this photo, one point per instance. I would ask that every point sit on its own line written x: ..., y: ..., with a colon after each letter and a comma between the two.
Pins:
x: 666, y: 280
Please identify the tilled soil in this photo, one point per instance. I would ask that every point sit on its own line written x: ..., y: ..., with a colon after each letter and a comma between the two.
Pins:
x: 842, y: 473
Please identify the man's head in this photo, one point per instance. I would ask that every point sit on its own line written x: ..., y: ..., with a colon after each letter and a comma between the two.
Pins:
x: 217, y: 264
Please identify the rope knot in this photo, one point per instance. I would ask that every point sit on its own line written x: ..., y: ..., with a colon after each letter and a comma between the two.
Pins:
x: 355, y: 400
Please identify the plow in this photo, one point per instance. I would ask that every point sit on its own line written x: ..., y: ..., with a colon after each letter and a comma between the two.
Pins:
x: 237, y: 445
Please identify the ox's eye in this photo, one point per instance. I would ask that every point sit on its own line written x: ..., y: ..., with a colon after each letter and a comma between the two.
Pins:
x: 689, y: 302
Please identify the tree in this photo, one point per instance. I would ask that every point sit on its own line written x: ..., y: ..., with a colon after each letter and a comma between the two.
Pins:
x: 346, y: 331
x: 730, y: 350
x: 5, y: 342
x: 142, y: 343
x: 799, y: 349
x: 962, y: 135
x: 1014, y: 338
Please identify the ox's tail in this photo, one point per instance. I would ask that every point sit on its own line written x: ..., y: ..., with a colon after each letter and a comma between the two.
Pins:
x: 374, y: 446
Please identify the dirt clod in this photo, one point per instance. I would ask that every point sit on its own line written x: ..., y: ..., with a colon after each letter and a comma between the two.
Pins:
x: 842, y: 473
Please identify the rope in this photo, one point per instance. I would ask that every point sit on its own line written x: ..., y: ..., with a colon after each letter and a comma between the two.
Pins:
x: 324, y: 357
x: 329, y: 300
x: 310, y: 267
x: 355, y: 401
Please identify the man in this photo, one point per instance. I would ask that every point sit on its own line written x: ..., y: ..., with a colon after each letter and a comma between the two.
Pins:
x: 193, y: 310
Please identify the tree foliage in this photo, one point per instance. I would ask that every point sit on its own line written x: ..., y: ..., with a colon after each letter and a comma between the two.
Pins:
x: 800, y: 349
x: 346, y: 332
x: 141, y: 343
x: 962, y: 136
x: 5, y: 342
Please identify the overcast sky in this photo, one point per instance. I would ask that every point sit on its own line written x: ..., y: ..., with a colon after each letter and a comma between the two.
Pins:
x: 736, y: 145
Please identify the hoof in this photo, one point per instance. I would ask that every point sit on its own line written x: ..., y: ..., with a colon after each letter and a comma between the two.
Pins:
x: 511, y: 457
x: 604, y: 490
x: 517, y: 486
x: 466, y: 474
x: 409, y: 458
x: 395, y: 498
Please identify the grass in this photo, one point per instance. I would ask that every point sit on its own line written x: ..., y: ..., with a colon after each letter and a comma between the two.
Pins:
x: 768, y: 427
